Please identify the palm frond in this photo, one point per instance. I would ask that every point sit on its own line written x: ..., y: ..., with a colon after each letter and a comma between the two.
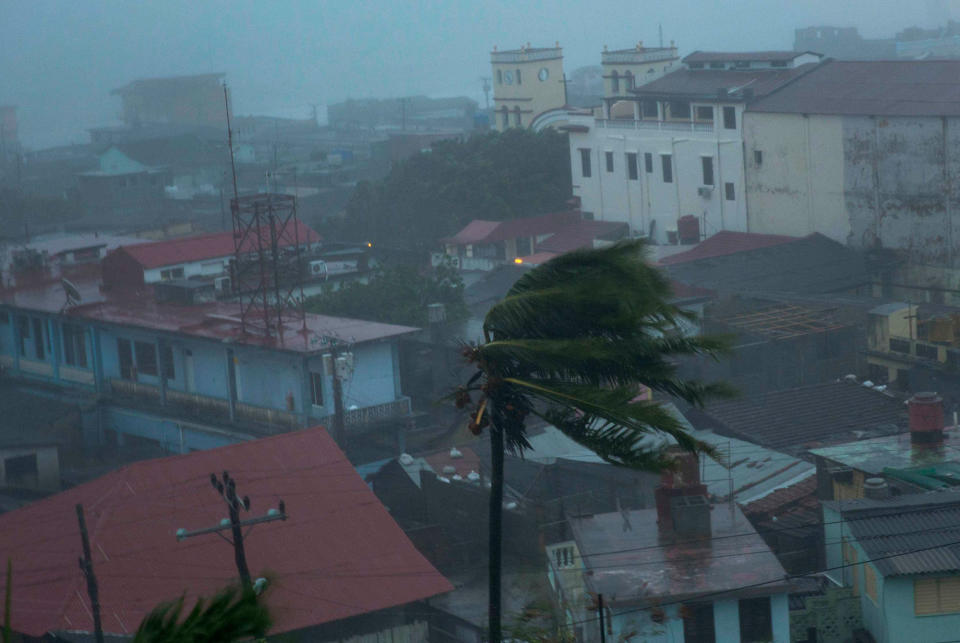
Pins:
x: 229, y: 616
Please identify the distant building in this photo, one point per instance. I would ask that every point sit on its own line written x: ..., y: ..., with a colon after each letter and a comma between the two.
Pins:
x: 527, y: 82
x: 9, y: 136
x: 843, y: 43
x: 626, y: 69
x: 185, y: 100
x: 861, y: 152
x: 673, y: 147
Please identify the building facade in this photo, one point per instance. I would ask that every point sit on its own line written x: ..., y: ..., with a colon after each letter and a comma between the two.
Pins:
x: 673, y: 147
x: 626, y: 69
x: 526, y: 83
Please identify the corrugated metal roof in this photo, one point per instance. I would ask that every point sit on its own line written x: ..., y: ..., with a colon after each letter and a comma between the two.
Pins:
x: 871, y: 88
x: 891, y: 538
x: 708, y: 83
x: 205, y: 246
x: 735, y: 56
x: 481, y: 231
x: 727, y: 242
x: 339, y: 554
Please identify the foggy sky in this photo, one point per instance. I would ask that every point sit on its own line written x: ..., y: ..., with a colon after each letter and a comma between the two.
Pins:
x: 60, y: 59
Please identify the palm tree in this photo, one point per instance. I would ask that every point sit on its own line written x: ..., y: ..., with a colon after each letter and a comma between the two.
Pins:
x: 570, y: 343
x: 229, y: 616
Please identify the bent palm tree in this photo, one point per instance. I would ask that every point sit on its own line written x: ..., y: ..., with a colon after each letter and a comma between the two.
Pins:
x: 230, y: 615
x: 570, y: 343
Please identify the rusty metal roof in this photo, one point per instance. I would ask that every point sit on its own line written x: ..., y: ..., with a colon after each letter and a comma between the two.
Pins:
x: 871, y: 88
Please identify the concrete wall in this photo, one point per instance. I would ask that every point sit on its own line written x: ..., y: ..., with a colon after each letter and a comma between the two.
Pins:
x: 206, y: 268
x: 48, y: 466
x: 613, y: 196
x: 798, y: 187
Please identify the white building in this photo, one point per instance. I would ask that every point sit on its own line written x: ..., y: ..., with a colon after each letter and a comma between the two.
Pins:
x: 673, y: 147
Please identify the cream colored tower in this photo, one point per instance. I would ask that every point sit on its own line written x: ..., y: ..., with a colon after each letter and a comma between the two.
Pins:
x: 526, y: 83
x: 625, y: 69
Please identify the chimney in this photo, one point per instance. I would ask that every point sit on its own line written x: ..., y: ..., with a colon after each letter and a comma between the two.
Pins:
x: 926, y: 418
x: 876, y: 489
x: 682, y: 481
x: 690, y: 516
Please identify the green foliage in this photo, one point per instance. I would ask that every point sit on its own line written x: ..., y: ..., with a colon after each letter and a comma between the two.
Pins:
x: 396, y: 294
x: 433, y: 194
x: 17, y: 210
x: 228, y: 616
x: 571, y: 342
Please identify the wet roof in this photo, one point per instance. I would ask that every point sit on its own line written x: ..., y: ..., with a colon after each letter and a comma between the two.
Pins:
x: 696, y: 83
x: 629, y: 560
x: 917, y: 534
x: 734, y: 56
x: 894, y: 451
x: 875, y: 88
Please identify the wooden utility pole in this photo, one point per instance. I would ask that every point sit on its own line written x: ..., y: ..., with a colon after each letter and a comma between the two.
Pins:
x: 227, y: 487
x: 86, y: 565
x: 339, y: 428
x: 603, y: 630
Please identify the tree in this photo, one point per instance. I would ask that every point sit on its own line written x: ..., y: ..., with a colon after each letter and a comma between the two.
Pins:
x: 396, y: 294
x: 228, y: 616
x: 570, y: 343
x: 434, y: 193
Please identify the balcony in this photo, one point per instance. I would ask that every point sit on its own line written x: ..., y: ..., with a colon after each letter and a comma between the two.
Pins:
x: 659, y: 126
x: 215, y: 409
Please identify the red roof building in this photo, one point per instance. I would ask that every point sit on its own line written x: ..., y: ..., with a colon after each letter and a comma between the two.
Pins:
x: 134, y: 265
x: 338, y: 555
x: 727, y: 242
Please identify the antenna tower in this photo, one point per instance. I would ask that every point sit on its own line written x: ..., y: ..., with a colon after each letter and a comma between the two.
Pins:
x: 267, y: 268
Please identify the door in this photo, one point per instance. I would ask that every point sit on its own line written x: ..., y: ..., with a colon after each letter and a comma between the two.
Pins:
x: 125, y: 358
x: 188, y: 370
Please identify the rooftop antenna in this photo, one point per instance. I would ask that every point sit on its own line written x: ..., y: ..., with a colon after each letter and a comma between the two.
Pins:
x: 486, y: 91
x: 660, y: 29
x: 72, y: 293
x: 233, y: 163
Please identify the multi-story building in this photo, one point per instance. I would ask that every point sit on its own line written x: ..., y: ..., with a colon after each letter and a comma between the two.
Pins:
x: 627, y: 69
x: 185, y: 100
x: 527, y: 82
x: 673, y: 147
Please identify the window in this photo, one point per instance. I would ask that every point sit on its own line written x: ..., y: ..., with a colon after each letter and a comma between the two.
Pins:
x: 870, y: 581
x: 756, y: 623
x: 850, y: 559
x: 666, y: 163
x: 936, y: 595
x: 778, y: 63
x: 23, y: 330
x: 729, y: 117
x: 648, y: 162
x: 146, y: 354
x: 926, y: 351
x: 171, y: 273
x: 707, y: 164
x: 38, y: 337
x: 22, y: 471
x: 698, y: 625
x: 499, y: 77
x: 649, y: 109
x: 516, y: 117
x: 705, y: 113
x: 316, y: 389
x: 166, y: 356
x: 757, y: 157
x: 718, y: 65
x: 74, y: 346
x: 609, y: 159
x: 519, y: 79
x: 728, y: 191
x: 696, y: 65
x: 585, y: 163
x: 614, y: 82
x: 679, y: 109
x: 900, y: 345
x: 631, y: 84
x: 632, y: 172
x: 564, y: 557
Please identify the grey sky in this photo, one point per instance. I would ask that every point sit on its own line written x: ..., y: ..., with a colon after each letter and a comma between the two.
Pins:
x: 60, y: 59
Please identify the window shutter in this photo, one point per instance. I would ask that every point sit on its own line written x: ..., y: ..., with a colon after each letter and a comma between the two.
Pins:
x: 949, y: 594
x: 925, y: 596
x: 870, y: 581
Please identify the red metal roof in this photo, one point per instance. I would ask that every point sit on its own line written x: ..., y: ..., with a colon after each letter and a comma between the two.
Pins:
x: 339, y: 554
x: 872, y: 88
x: 205, y: 246
x: 482, y: 231
x: 727, y: 242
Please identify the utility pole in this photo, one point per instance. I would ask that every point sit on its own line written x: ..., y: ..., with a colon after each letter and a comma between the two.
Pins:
x: 339, y: 432
x: 227, y: 487
x: 86, y: 565
x: 603, y: 630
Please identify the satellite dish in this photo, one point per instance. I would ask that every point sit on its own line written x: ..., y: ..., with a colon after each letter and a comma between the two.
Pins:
x: 72, y: 292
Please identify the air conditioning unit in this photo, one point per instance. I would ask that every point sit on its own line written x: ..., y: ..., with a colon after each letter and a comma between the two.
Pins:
x: 222, y: 285
x: 705, y: 192
x: 318, y: 268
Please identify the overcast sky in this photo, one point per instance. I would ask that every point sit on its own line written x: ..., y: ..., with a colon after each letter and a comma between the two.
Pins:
x: 59, y: 59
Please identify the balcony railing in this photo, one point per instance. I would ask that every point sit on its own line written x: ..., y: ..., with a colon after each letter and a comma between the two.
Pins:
x: 661, y: 126
x: 206, y: 406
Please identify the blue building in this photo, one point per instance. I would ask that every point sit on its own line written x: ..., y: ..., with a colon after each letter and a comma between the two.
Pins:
x: 901, y: 558
x: 185, y: 376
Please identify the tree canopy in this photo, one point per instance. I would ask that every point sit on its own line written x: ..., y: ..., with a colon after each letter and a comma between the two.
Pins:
x: 397, y: 293
x: 433, y: 194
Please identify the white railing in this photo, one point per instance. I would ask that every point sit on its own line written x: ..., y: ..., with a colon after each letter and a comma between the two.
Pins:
x: 661, y: 126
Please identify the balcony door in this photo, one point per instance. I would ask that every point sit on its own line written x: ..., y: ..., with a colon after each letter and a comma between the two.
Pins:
x: 188, y: 370
x: 125, y: 358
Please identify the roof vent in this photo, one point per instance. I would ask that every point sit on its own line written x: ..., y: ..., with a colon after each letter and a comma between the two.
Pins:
x: 473, y: 476
x: 457, y: 476
x: 405, y: 459
x: 850, y: 377
x: 455, y: 453
x: 449, y: 469
x: 868, y: 383
x: 875, y: 489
